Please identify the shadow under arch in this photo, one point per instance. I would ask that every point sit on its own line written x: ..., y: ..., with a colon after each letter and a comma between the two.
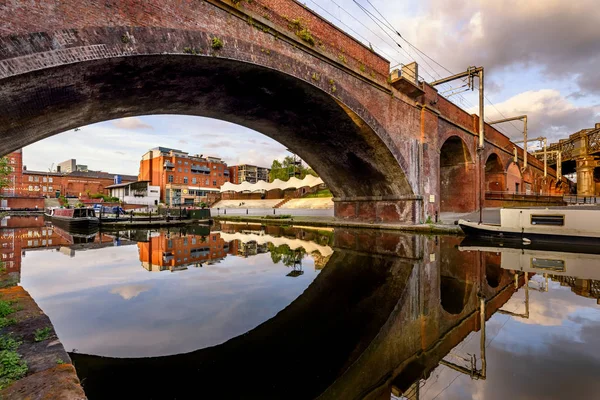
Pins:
x: 456, y: 176
x: 495, y: 179
x: 343, y: 149
x: 318, y: 334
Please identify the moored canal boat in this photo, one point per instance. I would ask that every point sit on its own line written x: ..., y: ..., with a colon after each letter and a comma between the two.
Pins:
x: 575, y: 224
x: 79, y: 219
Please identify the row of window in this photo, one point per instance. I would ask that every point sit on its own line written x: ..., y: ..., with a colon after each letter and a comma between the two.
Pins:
x: 37, y: 179
x: 193, y: 165
x: 171, y: 179
x: 37, y: 188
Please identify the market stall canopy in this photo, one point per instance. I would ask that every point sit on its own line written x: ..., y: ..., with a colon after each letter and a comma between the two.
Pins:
x: 292, y: 183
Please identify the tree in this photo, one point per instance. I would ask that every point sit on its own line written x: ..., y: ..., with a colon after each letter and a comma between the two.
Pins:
x: 287, y: 168
x: 5, y: 171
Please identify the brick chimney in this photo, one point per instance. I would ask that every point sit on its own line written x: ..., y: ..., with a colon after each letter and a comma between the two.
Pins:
x: 597, y: 125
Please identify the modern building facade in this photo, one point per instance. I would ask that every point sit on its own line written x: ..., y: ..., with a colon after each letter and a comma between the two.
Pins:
x: 248, y: 173
x: 139, y: 192
x: 183, y: 179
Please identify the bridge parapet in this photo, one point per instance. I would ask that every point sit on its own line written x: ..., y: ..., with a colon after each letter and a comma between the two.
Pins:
x: 324, y: 37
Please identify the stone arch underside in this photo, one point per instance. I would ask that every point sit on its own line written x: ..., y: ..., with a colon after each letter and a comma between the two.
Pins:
x: 344, y: 150
x: 457, y: 177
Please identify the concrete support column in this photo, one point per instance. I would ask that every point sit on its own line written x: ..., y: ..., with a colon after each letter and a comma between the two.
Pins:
x: 403, y: 209
x: 585, y: 176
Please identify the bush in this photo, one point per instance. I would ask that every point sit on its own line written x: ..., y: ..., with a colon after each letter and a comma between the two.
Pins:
x: 12, y: 367
x: 42, y: 334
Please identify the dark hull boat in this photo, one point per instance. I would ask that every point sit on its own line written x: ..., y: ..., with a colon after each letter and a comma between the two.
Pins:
x: 74, y: 219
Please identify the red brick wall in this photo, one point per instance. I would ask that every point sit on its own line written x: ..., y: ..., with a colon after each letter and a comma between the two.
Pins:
x: 25, y: 202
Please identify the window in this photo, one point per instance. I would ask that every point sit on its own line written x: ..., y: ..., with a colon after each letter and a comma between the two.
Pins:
x: 553, y: 220
x: 50, y: 189
x: 170, y: 178
x: 214, y: 183
x: 214, y: 166
x: 179, y: 161
x: 44, y: 189
x: 194, y: 181
x: 185, y: 179
x: 214, y: 174
x: 185, y: 170
x: 12, y: 160
x: 30, y: 188
x: 179, y: 169
x: 206, y: 182
x: 31, y: 179
x: 50, y: 180
x: 36, y: 179
x: 44, y: 179
x: 185, y: 163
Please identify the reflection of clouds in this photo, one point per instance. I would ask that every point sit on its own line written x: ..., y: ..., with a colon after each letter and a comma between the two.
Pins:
x: 130, y: 291
x: 555, y: 354
x: 178, y: 312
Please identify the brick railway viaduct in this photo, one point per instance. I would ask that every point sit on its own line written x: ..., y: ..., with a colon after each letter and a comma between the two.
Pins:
x: 390, y: 151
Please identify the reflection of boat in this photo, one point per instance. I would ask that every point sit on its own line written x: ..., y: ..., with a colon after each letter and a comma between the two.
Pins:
x: 540, y: 261
x: 74, y: 237
x: 550, y: 225
x: 74, y: 218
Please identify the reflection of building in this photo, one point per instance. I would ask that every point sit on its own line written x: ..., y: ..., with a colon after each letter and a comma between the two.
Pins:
x: 248, y: 173
x: 183, y: 179
x: 18, y: 234
x: 589, y: 288
x: 175, y: 251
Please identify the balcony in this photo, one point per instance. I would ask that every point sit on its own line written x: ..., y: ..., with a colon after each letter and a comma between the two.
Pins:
x: 168, y: 257
x: 200, y: 169
x: 169, y: 165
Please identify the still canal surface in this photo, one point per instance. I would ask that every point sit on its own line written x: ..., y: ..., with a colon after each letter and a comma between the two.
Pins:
x: 251, y: 311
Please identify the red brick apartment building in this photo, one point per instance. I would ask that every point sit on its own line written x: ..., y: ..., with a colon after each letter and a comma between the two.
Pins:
x: 26, y: 183
x: 183, y: 179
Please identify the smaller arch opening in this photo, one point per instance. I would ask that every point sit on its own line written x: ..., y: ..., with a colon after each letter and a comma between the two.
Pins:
x: 457, y: 177
x: 495, y: 180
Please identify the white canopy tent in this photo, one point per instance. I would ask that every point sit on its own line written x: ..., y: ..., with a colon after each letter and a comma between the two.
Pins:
x: 292, y: 183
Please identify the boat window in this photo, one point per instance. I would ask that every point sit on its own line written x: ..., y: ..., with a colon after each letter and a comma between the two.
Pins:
x: 555, y: 220
x: 553, y: 265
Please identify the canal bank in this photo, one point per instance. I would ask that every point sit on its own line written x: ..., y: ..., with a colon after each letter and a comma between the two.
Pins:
x: 35, y: 364
x: 332, y: 222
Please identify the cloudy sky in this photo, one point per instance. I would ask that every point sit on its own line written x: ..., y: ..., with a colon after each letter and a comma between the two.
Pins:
x: 541, y: 58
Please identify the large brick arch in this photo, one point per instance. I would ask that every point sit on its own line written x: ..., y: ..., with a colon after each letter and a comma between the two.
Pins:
x: 495, y: 176
x: 457, y: 176
x: 56, y: 76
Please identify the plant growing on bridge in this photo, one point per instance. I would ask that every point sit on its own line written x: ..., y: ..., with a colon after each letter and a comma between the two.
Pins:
x: 5, y: 310
x: 42, y: 334
x: 217, y: 43
x: 125, y: 39
x: 12, y: 367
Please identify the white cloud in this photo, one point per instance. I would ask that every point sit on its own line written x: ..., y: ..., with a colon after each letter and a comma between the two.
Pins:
x: 128, y: 292
x: 131, y: 123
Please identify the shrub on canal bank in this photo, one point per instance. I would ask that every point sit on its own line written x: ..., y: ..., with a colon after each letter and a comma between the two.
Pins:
x: 281, y: 216
x: 42, y: 334
x: 12, y: 367
x: 5, y: 310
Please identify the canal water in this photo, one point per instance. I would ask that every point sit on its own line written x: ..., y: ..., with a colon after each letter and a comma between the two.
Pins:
x: 252, y: 311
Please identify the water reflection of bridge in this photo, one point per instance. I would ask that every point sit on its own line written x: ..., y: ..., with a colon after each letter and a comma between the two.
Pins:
x: 369, y: 324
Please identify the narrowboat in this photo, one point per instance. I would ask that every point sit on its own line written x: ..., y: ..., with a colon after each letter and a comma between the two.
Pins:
x: 558, y: 261
x: 572, y: 224
x: 71, y: 219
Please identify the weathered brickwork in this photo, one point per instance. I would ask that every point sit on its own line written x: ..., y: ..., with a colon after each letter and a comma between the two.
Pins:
x: 65, y: 64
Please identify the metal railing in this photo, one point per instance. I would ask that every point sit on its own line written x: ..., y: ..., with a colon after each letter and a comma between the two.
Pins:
x: 532, y: 197
x: 575, y: 199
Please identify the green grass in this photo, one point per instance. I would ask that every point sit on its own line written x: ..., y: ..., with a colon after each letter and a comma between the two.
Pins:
x: 59, y: 361
x: 12, y: 367
x: 282, y: 216
x: 5, y: 310
x: 42, y: 334
x: 318, y: 194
